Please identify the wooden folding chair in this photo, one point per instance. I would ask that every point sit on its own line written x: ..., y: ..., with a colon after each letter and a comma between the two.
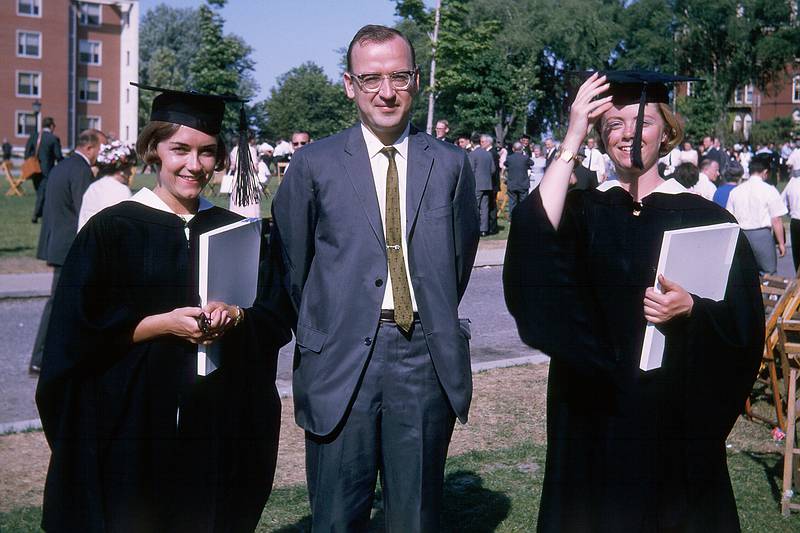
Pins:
x: 14, y: 183
x: 789, y: 348
x: 781, y: 297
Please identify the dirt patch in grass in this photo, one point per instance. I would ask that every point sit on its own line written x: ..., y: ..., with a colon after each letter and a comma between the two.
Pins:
x: 508, y: 408
x: 22, y: 265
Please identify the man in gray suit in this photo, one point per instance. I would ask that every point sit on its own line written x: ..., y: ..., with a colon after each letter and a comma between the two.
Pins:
x: 483, y: 167
x: 48, y: 149
x: 378, y: 228
x: 66, y: 185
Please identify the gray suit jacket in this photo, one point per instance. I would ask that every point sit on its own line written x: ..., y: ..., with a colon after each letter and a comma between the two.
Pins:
x: 62, y: 204
x: 332, y: 240
x: 483, y: 167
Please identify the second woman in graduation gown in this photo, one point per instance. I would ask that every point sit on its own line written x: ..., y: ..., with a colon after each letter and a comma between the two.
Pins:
x: 139, y: 441
x: 627, y: 450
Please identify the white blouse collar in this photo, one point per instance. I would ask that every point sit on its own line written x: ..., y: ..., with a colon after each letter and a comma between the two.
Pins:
x: 147, y: 197
x: 670, y: 186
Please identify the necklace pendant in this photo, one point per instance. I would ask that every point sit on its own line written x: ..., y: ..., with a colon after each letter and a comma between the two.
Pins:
x: 637, y: 209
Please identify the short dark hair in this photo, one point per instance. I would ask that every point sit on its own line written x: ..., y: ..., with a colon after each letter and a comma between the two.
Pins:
x: 374, y: 33
x: 686, y: 174
x: 706, y: 162
x: 48, y: 122
x: 759, y: 163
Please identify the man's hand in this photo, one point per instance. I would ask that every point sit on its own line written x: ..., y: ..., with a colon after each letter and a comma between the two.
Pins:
x: 660, y: 308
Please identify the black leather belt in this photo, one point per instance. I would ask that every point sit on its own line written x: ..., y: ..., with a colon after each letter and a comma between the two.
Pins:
x: 387, y: 315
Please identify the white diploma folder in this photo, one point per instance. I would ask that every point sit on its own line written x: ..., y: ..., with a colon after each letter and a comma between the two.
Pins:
x: 699, y: 260
x: 228, y: 272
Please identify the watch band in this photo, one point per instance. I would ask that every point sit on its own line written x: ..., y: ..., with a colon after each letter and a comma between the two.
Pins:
x: 565, y: 154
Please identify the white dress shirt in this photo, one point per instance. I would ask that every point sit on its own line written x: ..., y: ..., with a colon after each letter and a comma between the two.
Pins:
x: 672, y: 160
x: 704, y: 187
x: 794, y: 161
x: 380, y: 165
x: 594, y: 161
x: 755, y: 203
x: 791, y: 198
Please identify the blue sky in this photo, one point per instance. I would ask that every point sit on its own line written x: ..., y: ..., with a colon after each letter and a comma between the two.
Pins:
x: 286, y: 33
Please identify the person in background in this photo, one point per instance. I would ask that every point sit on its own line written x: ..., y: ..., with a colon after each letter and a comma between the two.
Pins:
x: 483, y: 168
x: 442, y: 130
x: 48, y: 148
x: 791, y: 197
x: 709, y: 172
x: 66, y: 184
x: 518, y: 164
x: 758, y: 208
x: 140, y: 442
x: 300, y: 139
x: 462, y: 141
x: 116, y: 165
x: 593, y: 160
x: 539, y: 162
x: 7, y: 149
x: 550, y: 150
x: 730, y: 179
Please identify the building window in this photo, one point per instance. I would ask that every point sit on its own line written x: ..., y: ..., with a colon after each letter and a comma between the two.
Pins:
x: 689, y: 88
x: 748, y: 93
x: 29, y: 84
x: 88, y: 90
x: 737, y: 124
x: 90, y: 52
x: 738, y: 95
x: 29, y: 8
x: 90, y: 14
x: 89, y: 123
x: 796, y: 89
x: 26, y: 123
x: 29, y: 44
x: 748, y: 125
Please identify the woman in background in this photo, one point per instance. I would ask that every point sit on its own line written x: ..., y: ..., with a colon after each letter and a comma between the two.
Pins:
x: 116, y: 165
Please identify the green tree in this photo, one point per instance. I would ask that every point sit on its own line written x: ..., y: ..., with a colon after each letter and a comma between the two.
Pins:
x: 222, y: 64
x: 167, y: 45
x: 305, y: 99
x: 777, y: 130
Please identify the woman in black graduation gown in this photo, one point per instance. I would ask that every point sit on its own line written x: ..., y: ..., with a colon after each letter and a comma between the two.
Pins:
x: 629, y: 450
x: 139, y: 441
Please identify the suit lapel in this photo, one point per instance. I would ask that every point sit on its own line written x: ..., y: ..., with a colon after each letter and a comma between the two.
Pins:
x: 359, y: 171
x: 420, y: 162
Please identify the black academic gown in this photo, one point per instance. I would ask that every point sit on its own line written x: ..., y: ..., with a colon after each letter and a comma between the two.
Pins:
x: 628, y: 450
x: 139, y: 442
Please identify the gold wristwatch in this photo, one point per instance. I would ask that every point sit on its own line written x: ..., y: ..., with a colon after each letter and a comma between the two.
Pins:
x: 565, y: 154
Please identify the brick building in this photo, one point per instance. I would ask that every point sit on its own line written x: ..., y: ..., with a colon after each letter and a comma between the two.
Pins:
x: 74, y: 58
x: 750, y: 105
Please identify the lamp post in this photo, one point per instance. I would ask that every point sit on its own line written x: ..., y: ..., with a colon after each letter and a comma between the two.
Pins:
x: 37, y: 107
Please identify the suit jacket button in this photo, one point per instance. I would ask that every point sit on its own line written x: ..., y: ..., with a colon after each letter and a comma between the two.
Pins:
x: 367, y: 341
x: 378, y: 282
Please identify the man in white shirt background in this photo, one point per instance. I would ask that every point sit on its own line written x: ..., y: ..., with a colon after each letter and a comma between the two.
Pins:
x: 593, y: 160
x: 709, y: 172
x: 791, y: 197
x: 793, y: 161
x: 758, y: 208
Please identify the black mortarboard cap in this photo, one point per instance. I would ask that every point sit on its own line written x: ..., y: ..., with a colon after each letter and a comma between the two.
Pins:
x: 639, y: 87
x: 204, y: 112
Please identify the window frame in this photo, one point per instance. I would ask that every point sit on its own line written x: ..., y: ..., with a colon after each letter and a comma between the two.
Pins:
x: 99, y: 44
x: 98, y: 118
x: 796, y: 89
x: 749, y: 91
x: 34, y: 3
x: 36, y: 73
x: 17, y: 114
x: 29, y: 32
x: 82, y: 89
x: 83, y: 22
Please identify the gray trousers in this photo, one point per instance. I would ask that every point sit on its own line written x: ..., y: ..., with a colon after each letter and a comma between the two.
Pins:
x: 515, y: 198
x: 763, y: 245
x: 483, y: 197
x: 399, y: 425
x: 41, y: 334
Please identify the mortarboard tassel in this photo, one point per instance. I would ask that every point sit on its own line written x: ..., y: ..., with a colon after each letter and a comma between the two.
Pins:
x: 636, y: 152
x: 246, y: 187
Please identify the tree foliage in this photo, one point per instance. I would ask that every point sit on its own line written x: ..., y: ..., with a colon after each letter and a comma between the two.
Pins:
x: 777, y: 131
x: 305, y: 99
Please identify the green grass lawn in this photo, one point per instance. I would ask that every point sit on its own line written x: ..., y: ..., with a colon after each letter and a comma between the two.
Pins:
x: 498, y: 490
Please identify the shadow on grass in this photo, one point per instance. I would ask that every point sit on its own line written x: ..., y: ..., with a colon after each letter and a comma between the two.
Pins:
x: 15, y: 250
x: 468, y: 507
x: 772, y: 465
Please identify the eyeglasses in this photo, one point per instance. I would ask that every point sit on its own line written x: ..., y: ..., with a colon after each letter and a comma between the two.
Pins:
x: 299, y: 143
x: 399, y: 80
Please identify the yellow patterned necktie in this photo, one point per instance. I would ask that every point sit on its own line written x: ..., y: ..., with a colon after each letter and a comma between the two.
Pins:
x: 403, y: 311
